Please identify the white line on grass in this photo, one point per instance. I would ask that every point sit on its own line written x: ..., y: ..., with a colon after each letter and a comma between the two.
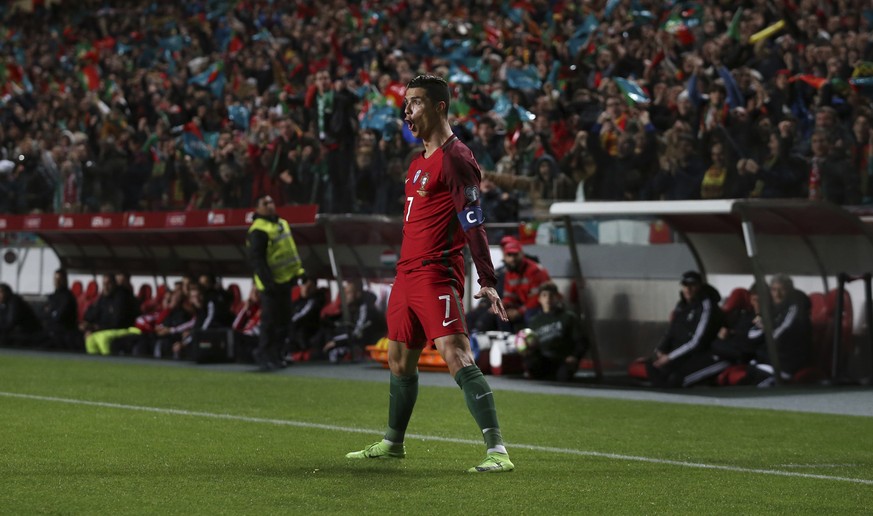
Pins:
x: 533, y: 447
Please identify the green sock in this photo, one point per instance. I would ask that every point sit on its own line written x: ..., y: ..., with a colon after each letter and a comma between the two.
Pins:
x: 480, y: 401
x: 404, y: 392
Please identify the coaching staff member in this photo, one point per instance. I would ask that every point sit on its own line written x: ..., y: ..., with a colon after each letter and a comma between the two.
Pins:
x: 276, y: 264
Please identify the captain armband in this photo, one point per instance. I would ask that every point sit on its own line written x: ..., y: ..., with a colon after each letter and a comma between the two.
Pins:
x: 471, y: 217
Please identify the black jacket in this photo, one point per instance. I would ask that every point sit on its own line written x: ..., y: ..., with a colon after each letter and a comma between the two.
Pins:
x: 112, y: 311
x: 367, y: 325
x: 792, y: 331
x: 258, y: 241
x: 62, y: 310
x: 694, y: 325
x: 17, y: 314
x: 306, y: 315
x: 559, y: 334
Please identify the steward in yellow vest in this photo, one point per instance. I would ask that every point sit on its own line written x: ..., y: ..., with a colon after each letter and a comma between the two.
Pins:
x: 272, y: 251
x: 276, y: 263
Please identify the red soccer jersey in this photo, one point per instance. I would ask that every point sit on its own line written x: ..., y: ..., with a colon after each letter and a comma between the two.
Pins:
x: 442, y: 202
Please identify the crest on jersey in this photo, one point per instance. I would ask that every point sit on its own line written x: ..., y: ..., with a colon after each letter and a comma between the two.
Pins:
x: 422, y: 190
x: 415, y: 179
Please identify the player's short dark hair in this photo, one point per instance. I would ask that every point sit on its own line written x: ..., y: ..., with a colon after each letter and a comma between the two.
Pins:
x: 436, y: 88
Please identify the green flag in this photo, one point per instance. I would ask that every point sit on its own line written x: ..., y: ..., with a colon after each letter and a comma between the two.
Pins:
x: 734, y: 28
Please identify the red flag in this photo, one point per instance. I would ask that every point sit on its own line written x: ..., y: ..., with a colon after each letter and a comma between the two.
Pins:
x: 192, y: 128
x: 107, y: 43
x: 235, y: 45
x: 815, y: 82
x: 396, y: 92
x: 90, y: 77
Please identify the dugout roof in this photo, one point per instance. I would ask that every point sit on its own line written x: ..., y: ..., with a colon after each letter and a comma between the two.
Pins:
x: 172, y: 243
x: 735, y: 236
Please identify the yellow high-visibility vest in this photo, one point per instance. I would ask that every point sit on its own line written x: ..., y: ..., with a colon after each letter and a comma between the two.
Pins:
x: 282, y: 256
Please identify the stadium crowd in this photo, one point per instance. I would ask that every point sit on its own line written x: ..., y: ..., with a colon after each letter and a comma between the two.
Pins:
x: 134, y: 105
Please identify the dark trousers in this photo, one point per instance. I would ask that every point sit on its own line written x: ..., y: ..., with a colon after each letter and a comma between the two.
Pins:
x: 275, y: 320
x: 340, y: 194
x: 541, y: 367
x: 685, y: 371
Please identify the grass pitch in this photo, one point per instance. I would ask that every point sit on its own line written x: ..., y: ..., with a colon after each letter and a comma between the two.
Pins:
x: 108, y: 437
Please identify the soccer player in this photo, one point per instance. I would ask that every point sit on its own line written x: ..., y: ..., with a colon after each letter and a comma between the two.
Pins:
x: 442, y: 213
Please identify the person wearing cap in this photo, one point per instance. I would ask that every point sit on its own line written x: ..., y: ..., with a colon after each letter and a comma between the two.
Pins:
x: 521, y: 282
x: 683, y: 357
x: 558, y: 341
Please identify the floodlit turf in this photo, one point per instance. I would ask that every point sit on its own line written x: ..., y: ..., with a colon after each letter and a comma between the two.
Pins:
x: 230, y: 443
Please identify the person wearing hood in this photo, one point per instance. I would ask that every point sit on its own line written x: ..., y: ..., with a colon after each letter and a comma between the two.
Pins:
x: 273, y: 256
x: 549, y: 183
x: 683, y: 358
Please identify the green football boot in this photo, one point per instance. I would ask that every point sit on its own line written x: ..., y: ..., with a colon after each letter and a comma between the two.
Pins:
x: 494, y: 463
x: 380, y: 450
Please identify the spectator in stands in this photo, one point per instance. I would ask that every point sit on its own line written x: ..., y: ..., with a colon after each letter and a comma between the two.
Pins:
x: 860, y: 153
x: 683, y: 357
x: 487, y: 145
x: 19, y: 325
x: 7, y: 187
x: 836, y: 137
x: 550, y: 183
x: 498, y: 205
x: 681, y: 171
x: 830, y: 176
x: 718, y: 180
x: 107, y: 318
x: 510, y: 162
x: 779, y: 175
x: 620, y: 170
x: 578, y: 164
x: 162, y: 111
x: 366, y: 324
x: 368, y: 172
x: 390, y: 196
x: 288, y: 160
x: 331, y: 117
x: 557, y: 342
x: 61, y: 313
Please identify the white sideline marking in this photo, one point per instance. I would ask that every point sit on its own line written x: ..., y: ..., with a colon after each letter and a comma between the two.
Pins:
x: 336, y: 428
